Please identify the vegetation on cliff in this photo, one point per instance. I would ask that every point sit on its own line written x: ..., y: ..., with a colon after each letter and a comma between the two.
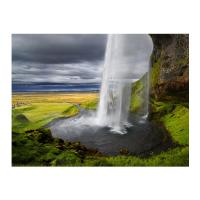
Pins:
x: 169, y: 83
x: 170, y: 87
x: 136, y: 96
x: 139, y: 95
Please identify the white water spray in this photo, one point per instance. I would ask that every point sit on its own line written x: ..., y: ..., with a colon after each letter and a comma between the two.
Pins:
x: 126, y: 60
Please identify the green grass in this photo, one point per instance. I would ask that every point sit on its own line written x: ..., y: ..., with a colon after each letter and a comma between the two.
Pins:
x: 174, y: 157
x: 136, y: 103
x: 136, y: 98
x: 175, y: 118
x: 37, y: 115
x: 91, y: 105
x: 177, y: 123
x: 67, y: 158
x: 39, y: 148
x: 155, y: 71
x: 29, y: 151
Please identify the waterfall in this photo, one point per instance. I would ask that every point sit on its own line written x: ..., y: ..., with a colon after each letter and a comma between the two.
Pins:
x: 126, y: 60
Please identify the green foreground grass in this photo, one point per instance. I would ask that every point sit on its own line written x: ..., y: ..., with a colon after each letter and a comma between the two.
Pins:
x: 175, y: 118
x: 39, y: 148
x: 177, y: 124
x: 36, y: 115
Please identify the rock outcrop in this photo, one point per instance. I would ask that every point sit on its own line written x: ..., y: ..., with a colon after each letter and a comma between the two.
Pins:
x: 170, y: 67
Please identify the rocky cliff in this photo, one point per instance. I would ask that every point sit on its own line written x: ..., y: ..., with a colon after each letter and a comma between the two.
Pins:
x: 169, y: 86
x: 169, y: 78
x: 170, y: 67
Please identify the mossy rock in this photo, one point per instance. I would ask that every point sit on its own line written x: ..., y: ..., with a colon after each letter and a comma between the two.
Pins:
x: 159, y: 108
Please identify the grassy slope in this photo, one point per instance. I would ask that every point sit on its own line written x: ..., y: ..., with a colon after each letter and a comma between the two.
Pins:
x: 91, y: 105
x: 38, y: 114
x: 174, y: 157
x: 39, y: 148
x: 175, y: 118
x: 177, y: 123
x: 33, y: 110
x: 27, y: 151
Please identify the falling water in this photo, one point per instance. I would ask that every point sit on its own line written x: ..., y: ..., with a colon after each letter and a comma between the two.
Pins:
x: 126, y: 60
x: 143, y: 111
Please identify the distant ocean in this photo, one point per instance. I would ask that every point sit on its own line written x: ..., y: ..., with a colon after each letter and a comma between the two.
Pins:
x: 55, y: 87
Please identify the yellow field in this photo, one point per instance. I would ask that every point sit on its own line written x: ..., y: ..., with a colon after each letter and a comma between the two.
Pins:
x: 19, y: 99
x: 34, y: 110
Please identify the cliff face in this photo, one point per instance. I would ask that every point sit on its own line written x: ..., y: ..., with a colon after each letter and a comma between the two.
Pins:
x: 169, y: 86
x: 170, y: 67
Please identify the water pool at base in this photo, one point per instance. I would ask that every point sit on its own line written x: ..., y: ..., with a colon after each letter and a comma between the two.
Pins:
x: 141, y: 138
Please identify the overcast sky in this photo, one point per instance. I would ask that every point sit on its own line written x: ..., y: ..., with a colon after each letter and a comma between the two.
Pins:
x: 76, y: 58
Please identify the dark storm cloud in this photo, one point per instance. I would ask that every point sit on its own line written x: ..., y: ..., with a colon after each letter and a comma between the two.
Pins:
x: 57, y: 48
x: 85, y: 72
x: 57, y: 58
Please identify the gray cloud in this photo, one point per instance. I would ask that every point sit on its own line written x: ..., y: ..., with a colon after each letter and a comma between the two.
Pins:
x: 70, y: 73
x: 58, y: 48
x: 57, y: 58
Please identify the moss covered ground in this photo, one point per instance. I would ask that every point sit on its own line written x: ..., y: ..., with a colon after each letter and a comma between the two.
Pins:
x: 39, y: 148
x: 175, y: 117
x: 177, y: 124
